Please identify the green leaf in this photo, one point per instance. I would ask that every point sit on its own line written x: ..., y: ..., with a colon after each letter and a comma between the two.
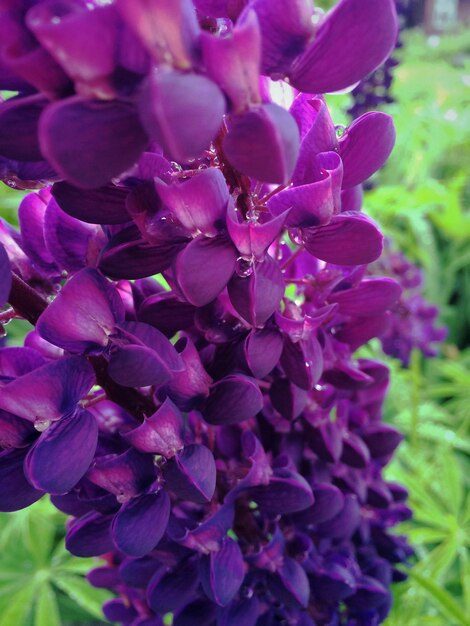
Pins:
x: 18, y: 608
x: 46, y: 610
x: 442, y: 599
x: 83, y: 594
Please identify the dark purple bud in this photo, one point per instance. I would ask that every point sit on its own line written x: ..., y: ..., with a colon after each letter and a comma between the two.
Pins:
x: 287, y: 398
x: 173, y: 590
x: 19, y: 118
x: 49, y: 392
x: 108, y: 133
x: 15, y: 491
x: 365, y: 31
x: 191, y: 474
x: 204, y: 268
x: 141, y: 523
x: 128, y: 255
x: 161, y: 433
x: 105, y: 205
x: 366, y: 146
x: 233, y: 399
x: 262, y: 350
x: 325, y: 440
x: 222, y: 572
x: 83, y: 315
x: 263, y: 143
x: 182, y: 112
x: 63, y: 453
x: 199, y: 203
x: 349, y: 239
x: 90, y: 535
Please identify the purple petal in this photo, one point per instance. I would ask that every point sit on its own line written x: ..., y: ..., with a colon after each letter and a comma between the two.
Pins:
x: 137, y: 573
x: 48, y: 392
x: 207, y: 535
x: 161, y: 433
x: 233, y: 61
x: 287, y: 398
x: 332, y: 582
x: 74, y: 245
x: 329, y: 501
x: 313, y: 203
x: 286, y: 29
x: 182, y: 112
x: 257, y: 296
x: 16, y: 362
x: 116, y: 610
x: 351, y: 199
x: 105, y: 205
x: 243, y: 612
x: 381, y: 439
x: 344, y: 524
x: 63, y: 453
x: 199, y: 203
x: 191, y: 474
x: 260, y: 471
x: 127, y: 255
x: 103, y: 578
x: 365, y: 147
x: 349, y: 239
x: 83, y: 314
x: 19, y: 119
x: 174, y: 589
x: 362, y: 329
x: 201, y: 612
x: 291, y: 584
x: 355, y: 452
x: 15, y: 432
x: 167, y: 313
x: 82, y: 40
x: 263, y: 143
x: 253, y: 237
x: 5, y: 276
x: 204, y: 268
x: 138, y: 366
x: 15, y: 491
x: 125, y: 475
x: 287, y: 492
x: 263, y: 349
x: 189, y: 387
x: 141, y: 523
x: 303, y: 361
x: 90, y: 141
x: 370, y: 594
x: 168, y: 28
x: 325, y: 440
x: 90, y: 535
x: 371, y: 297
x: 364, y: 30
x: 31, y: 215
x: 233, y: 399
x: 222, y: 573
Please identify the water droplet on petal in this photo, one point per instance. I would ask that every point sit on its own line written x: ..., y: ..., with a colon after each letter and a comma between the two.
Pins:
x: 41, y: 424
x: 122, y: 498
x: 244, y: 266
x: 340, y: 129
x: 176, y: 166
x: 295, y: 235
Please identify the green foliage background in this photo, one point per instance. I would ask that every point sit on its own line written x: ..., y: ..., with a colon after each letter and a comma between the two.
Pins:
x: 421, y: 200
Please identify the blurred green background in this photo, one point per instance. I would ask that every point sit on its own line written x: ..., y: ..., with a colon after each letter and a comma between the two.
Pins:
x: 421, y: 200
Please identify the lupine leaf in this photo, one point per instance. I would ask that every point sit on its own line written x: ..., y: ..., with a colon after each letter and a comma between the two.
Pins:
x: 442, y: 599
x: 46, y: 611
x: 83, y: 594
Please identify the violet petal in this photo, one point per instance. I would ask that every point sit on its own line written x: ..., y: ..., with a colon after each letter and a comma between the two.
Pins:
x: 90, y: 535
x: 19, y: 118
x: 5, y: 276
x: 233, y: 399
x: 174, y: 589
x: 191, y: 474
x: 222, y: 572
x: 105, y: 205
x: 263, y: 349
x: 15, y: 491
x: 161, y: 433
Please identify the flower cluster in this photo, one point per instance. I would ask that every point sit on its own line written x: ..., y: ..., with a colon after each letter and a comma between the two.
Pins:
x: 412, y: 321
x: 212, y: 433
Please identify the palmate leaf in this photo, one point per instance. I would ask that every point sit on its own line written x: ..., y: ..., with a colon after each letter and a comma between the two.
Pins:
x: 19, y: 607
x: 442, y: 599
x: 81, y: 592
x: 46, y: 611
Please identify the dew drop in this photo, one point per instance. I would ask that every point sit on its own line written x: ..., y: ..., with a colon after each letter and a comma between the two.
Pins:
x: 41, y: 424
x: 244, y: 266
x: 176, y: 166
x: 122, y: 498
x: 295, y: 235
x: 340, y: 129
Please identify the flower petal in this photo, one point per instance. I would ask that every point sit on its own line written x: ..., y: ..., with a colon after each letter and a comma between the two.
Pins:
x: 5, y: 276
x: 365, y: 32
x: 371, y: 297
x: 63, y: 453
x: 90, y: 535
x: 105, y: 205
x: 233, y: 399
x: 161, y: 433
x: 15, y: 491
x: 263, y: 349
x: 90, y: 141
x: 365, y: 147
x: 173, y: 590
x: 19, y: 118
x: 141, y: 523
x: 191, y: 474
x: 222, y: 572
